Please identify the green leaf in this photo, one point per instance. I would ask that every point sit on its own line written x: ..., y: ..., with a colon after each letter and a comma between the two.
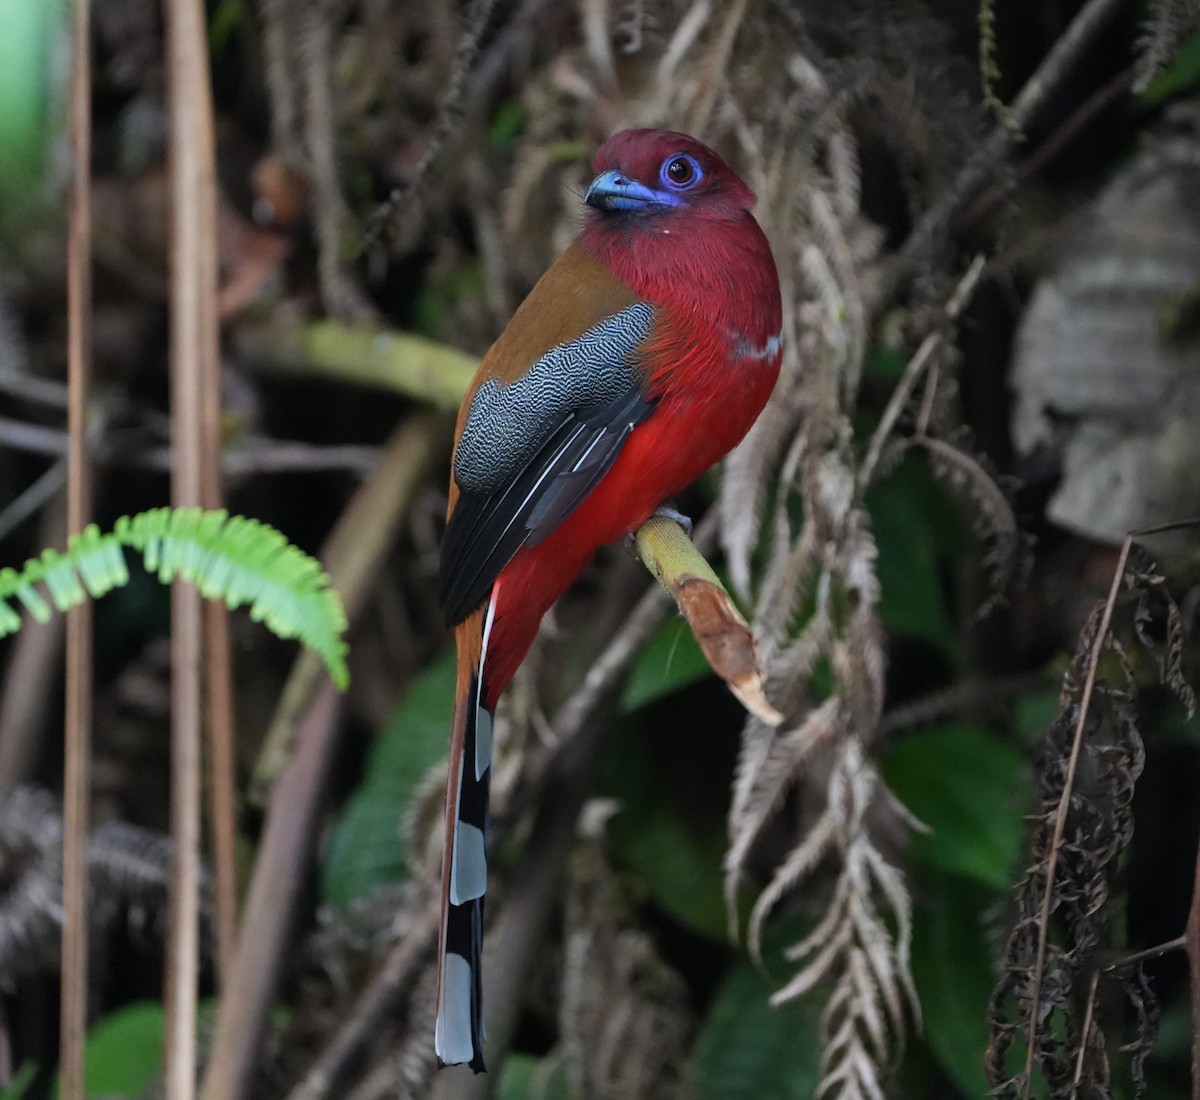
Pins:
x: 527, y: 1078
x: 1033, y: 712
x: 681, y: 870
x: 915, y: 543
x: 1180, y: 76
x: 972, y: 789
x: 32, y: 86
x: 670, y: 661
x: 676, y: 858
x: 747, y: 1050
x: 885, y: 364
x: 953, y: 975
x: 19, y: 1085
x: 124, y: 1051
x: 366, y: 849
x: 508, y: 123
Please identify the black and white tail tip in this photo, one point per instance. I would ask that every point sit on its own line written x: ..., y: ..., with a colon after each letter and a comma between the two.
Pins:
x: 459, y: 1030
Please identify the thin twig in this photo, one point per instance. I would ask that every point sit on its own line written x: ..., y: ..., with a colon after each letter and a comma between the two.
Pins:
x: 222, y: 764
x: 1155, y: 952
x: 30, y: 500
x: 193, y: 361
x: 1038, y: 89
x: 1064, y: 801
x: 1089, y: 1011
x: 1191, y: 937
x: 78, y: 747
x: 254, y: 456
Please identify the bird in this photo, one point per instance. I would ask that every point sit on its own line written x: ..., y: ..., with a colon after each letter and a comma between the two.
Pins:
x: 641, y: 357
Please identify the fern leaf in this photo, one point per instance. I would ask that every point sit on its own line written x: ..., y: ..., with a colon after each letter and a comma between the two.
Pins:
x: 241, y: 561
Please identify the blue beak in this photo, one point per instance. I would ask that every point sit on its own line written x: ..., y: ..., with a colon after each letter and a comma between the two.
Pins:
x: 612, y: 190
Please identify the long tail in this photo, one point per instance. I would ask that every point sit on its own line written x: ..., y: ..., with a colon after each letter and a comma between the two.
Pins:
x: 459, y: 1031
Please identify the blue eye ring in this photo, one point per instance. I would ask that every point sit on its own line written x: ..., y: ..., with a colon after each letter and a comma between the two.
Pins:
x: 680, y: 172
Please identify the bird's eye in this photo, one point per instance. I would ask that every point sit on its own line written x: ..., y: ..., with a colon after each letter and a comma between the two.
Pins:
x: 681, y: 172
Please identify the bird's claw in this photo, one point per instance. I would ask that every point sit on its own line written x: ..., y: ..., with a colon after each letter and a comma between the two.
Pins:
x: 667, y: 512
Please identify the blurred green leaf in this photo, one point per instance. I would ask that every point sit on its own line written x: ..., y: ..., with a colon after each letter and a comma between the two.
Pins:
x: 972, y: 789
x: 677, y: 860
x: 885, y: 364
x: 681, y: 871
x: 224, y: 21
x: 124, y: 1051
x: 747, y: 1050
x: 916, y: 535
x: 30, y: 33
x: 527, y: 1078
x: 19, y: 1085
x: 671, y: 660
x: 954, y: 975
x: 508, y: 123
x: 1180, y: 76
x: 1033, y: 712
x: 365, y: 849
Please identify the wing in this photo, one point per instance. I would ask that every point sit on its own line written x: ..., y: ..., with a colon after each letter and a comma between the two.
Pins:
x: 531, y: 450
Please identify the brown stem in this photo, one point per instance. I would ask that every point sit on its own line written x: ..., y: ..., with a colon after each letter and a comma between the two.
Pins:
x: 78, y: 734
x: 222, y: 763
x: 283, y: 860
x: 193, y: 364
x: 1089, y: 1012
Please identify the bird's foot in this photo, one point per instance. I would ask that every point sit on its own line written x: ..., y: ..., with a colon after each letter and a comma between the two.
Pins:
x: 667, y: 512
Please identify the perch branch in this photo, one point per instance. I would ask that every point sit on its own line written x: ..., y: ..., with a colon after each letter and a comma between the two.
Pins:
x: 724, y: 636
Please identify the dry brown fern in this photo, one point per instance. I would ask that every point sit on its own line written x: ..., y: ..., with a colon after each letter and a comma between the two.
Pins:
x: 1059, y: 1013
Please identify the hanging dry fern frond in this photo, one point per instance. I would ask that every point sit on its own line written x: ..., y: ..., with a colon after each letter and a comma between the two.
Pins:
x: 30, y: 882
x: 623, y: 1018
x: 128, y: 868
x: 1006, y: 559
x: 1164, y: 27
x: 1056, y: 1012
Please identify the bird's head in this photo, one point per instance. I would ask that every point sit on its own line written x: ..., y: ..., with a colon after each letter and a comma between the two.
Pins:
x: 658, y: 172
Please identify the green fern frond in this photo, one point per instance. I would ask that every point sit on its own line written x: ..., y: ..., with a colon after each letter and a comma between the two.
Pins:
x: 230, y: 558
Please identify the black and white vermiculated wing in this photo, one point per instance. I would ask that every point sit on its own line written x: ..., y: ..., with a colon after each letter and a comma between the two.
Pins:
x: 533, y: 449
